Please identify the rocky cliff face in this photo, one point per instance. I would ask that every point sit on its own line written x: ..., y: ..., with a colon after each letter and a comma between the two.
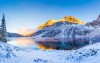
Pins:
x: 94, y: 23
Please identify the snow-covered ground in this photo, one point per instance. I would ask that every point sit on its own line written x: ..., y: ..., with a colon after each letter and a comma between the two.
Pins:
x: 12, y: 54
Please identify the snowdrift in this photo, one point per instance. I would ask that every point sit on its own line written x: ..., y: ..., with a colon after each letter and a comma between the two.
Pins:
x: 12, y: 54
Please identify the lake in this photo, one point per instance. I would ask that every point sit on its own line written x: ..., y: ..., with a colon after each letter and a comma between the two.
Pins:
x: 48, y: 43
x: 23, y: 42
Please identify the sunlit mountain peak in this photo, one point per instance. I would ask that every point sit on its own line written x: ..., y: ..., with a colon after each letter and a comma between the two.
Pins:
x: 71, y: 19
x: 48, y: 23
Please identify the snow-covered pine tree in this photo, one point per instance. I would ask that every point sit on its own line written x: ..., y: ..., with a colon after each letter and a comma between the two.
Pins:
x: 3, y: 30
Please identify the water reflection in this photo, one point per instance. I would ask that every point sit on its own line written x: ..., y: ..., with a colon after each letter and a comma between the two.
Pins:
x: 22, y: 42
x: 62, y: 43
x: 50, y: 43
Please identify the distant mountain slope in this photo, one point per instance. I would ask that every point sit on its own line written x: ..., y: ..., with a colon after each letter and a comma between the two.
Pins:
x: 94, y: 23
x: 13, y: 35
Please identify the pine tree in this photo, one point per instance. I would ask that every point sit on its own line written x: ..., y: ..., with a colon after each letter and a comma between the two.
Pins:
x: 4, y: 31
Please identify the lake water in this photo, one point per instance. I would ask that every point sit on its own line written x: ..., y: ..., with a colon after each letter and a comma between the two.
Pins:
x: 48, y: 43
x: 24, y: 42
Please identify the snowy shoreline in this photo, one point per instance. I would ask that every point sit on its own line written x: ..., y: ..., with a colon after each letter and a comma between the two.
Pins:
x: 11, y: 54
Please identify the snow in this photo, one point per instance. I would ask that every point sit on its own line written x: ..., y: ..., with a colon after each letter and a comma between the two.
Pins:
x: 66, y: 30
x: 95, y: 32
x: 12, y: 54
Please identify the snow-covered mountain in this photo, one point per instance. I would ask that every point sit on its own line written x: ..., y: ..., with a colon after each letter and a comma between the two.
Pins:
x: 69, y: 19
x: 69, y: 31
x: 94, y: 23
x: 48, y: 23
x: 68, y: 27
x: 64, y: 27
x: 12, y: 54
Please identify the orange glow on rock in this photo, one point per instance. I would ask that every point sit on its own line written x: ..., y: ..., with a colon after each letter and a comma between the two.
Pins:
x: 48, y: 23
x: 71, y: 19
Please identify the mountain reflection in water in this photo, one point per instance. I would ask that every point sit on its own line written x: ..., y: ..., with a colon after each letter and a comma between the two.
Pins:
x: 49, y: 43
x: 22, y: 42
x: 62, y: 43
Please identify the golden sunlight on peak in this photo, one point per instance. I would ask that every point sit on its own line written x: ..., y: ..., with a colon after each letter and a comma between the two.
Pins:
x: 71, y: 19
x: 25, y: 32
x: 48, y: 23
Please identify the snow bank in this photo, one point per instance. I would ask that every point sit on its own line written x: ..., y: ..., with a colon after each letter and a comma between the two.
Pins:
x: 12, y: 54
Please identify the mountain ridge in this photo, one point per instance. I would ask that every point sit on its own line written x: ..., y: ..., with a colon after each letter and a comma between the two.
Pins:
x: 48, y: 23
x: 62, y: 27
x: 69, y: 19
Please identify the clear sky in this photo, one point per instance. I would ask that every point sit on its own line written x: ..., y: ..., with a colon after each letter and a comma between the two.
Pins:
x: 28, y: 14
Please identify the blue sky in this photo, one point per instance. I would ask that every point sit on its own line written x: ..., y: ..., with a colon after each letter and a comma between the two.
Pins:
x: 29, y: 14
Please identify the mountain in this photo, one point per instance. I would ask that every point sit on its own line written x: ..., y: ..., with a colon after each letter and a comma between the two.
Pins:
x: 71, y: 28
x: 94, y: 23
x: 71, y: 19
x: 62, y: 29
x: 48, y: 23
x: 95, y: 33
x: 13, y: 35
x: 67, y: 26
